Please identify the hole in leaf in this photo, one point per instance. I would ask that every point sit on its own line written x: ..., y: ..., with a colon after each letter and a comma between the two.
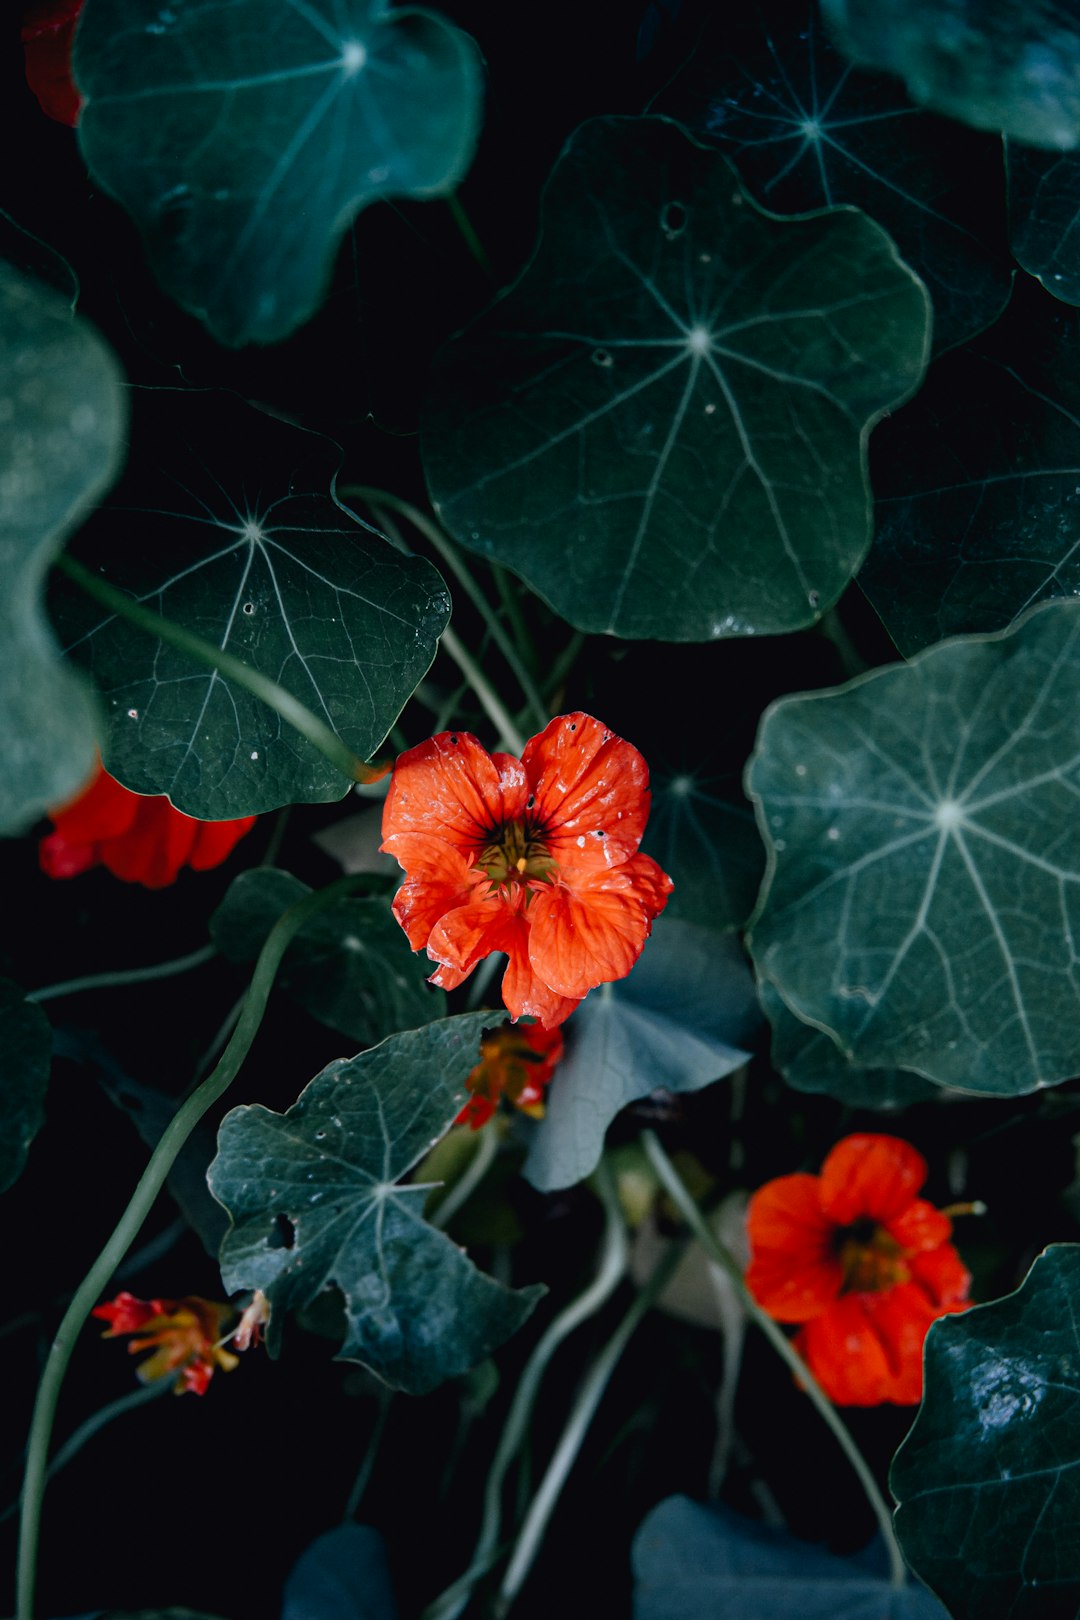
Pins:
x: 284, y: 1234
x: 601, y: 357
x: 673, y: 218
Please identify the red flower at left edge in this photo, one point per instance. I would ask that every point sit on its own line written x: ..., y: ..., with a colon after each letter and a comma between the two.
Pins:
x: 184, y: 1334
x: 139, y: 837
x: 536, y: 857
x: 48, y: 33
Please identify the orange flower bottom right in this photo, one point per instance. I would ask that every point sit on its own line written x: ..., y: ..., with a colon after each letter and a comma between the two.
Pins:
x: 862, y: 1262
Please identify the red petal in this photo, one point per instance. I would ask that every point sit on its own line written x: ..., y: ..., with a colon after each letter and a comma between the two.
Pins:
x: 102, y: 809
x: 60, y: 859
x: 472, y: 931
x: 48, y: 33
x: 920, y: 1227
x: 846, y: 1355
x: 587, y: 934
x: 651, y: 884
x: 155, y: 848
x: 943, y: 1277
x: 525, y: 994
x: 452, y: 788
x: 591, y: 792
x: 875, y: 1176
x: 126, y: 1314
x: 216, y: 840
x: 793, y: 1273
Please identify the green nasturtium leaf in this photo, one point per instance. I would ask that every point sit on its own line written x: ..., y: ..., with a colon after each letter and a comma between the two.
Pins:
x: 350, y: 966
x: 251, y: 551
x: 805, y: 130
x: 662, y: 427
x: 1044, y: 216
x: 978, y: 482
x: 343, y: 1575
x: 987, y: 1479
x: 315, y: 1201
x: 708, y: 844
x: 61, y: 430
x: 923, y: 893
x: 810, y: 1060
x: 1005, y: 65
x: 677, y: 1023
x: 244, y: 135
x: 693, y: 1562
x: 25, y: 1062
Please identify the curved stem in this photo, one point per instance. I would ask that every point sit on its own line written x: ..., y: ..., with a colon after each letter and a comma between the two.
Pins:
x: 577, y: 1426
x: 298, y: 715
x: 127, y: 1228
x: 783, y: 1346
x: 613, y: 1258
x: 468, y: 232
x: 140, y: 975
x: 440, y: 542
x: 371, y: 1450
x: 467, y: 1183
x: 490, y: 701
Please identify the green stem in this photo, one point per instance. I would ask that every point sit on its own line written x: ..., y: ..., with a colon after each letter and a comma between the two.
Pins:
x: 832, y: 627
x: 297, y: 714
x: 127, y: 1228
x: 509, y: 595
x: 467, y: 1183
x: 468, y: 232
x: 371, y: 1450
x: 490, y: 701
x: 106, y: 981
x: 613, y: 1258
x: 783, y: 1346
x: 563, y: 665
x: 440, y: 542
x: 577, y: 1426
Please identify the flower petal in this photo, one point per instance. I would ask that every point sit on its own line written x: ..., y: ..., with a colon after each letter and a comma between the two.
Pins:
x: 591, y: 792
x: 919, y: 1227
x: 587, y: 934
x: 216, y: 840
x: 844, y: 1350
x: 155, y: 848
x: 651, y: 884
x: 875, y: 1176
x: 793, y: 1273
x: 468, y: 933
x: 103, y: 809
x: 452, y: 788
x: 943, y: 1277
x: 440, y: 879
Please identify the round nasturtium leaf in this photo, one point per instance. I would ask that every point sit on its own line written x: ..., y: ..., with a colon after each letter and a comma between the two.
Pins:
x: 1006, y: 65
x: 662, y: 427
x: 766, y: 85
x: 244, y: 135
x: 226, y: 524
x: 61, y: 437
x: 987, y: 1480
x: 922, y: 898
x: 810, y: 1060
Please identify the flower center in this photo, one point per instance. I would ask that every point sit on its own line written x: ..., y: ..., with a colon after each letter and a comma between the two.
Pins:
x: 871, y: 1260
x: 516, y: 856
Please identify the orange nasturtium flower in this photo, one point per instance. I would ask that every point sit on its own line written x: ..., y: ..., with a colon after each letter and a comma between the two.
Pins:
x: 140, y: 837
x: 184, y: 1334
x: 515, y: 1063
x: 537, y: 857
x: 862, y: 1263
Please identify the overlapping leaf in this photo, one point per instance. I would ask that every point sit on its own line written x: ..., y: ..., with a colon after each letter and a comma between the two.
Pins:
x: 987, y: 1480
x: 662, y: 427
x: 243, y: 137
x: 343, y: 1575
x: 217, y: 530
x: 315, y: 1202
x: 1013, y: 65
x: 978, y: 482
x: 807, y: 130
x: 63, y: 414
x: 1044, y: 216
x: 923, y: 894
x: 676, y: 1023
x: 810, y: 1060
x: 699, y: 1563
x: 26, y: 1044
x: 350, y: 966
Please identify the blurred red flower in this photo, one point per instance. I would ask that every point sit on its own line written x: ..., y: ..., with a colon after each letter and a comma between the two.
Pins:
x: 516, y: 1063
x: 184, y: 1334
x: 139, y: 837
x: 537, y: 857
x: 862, y: 1262
x: 48, y: 33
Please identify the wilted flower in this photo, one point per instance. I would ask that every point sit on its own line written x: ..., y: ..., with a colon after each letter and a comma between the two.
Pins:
x: 516, y: 1062
x: 184, y: 1334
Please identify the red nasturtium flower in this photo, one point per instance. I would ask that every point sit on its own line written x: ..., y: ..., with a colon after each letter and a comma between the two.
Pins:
x: 862, y: 1263
x: 139, y: 837
x: 537, y: 857
x: 184, y: 1334
x: 48, y: 33
x: 516, y: 1063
